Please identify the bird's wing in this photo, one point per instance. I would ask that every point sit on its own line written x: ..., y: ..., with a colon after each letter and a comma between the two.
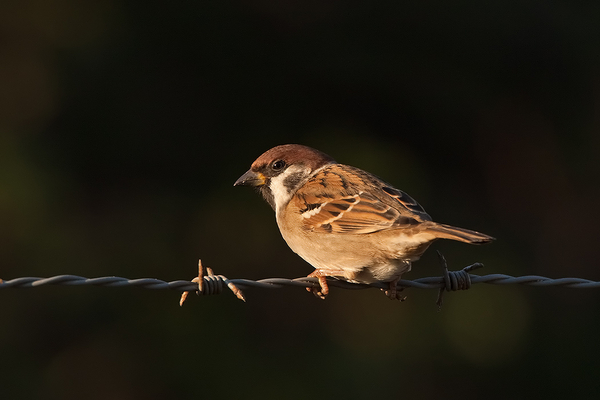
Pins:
x: 344, y: 199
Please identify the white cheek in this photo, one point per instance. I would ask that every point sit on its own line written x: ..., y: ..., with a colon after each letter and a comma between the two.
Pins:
x: 281, y: 193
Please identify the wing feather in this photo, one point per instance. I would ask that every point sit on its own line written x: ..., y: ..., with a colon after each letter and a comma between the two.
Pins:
x: 336, y: 200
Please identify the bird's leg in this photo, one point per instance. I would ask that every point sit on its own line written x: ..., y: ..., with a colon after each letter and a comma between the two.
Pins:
x: 392, y: 292
x: 323, y: 289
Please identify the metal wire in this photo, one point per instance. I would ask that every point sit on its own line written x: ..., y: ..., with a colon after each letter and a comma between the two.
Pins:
x: 207, y: 282
x: 211, y: 283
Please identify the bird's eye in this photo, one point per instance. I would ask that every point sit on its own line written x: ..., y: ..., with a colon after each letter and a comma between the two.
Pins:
x: 278, y: 165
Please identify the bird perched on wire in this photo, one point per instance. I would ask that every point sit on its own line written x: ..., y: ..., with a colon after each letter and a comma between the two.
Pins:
x: 345, y: 222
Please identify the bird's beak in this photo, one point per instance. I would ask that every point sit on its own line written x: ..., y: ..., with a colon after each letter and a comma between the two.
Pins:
x: 251, y: 178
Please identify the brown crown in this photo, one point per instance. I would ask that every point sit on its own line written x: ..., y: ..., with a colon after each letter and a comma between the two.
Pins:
x: 293, y: 154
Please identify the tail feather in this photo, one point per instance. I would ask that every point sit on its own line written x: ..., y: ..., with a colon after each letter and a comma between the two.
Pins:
x: 443, y: 231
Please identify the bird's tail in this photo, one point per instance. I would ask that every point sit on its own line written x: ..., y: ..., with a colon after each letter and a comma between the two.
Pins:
x: 443, y: 231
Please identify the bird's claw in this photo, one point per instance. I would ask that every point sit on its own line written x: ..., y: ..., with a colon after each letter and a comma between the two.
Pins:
x: 323, y: 289
x: 393, y: 293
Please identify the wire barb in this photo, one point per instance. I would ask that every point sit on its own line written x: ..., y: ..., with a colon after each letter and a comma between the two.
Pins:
x: 454, y: 280
x: 212, y: 283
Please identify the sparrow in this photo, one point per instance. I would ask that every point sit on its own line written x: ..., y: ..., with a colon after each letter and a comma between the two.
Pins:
x: 347, y: 223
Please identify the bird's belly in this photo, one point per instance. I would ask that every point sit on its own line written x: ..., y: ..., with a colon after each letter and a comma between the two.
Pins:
x: 357, y: 258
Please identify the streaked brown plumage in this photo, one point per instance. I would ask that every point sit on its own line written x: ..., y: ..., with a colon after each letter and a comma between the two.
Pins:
x: 346, y: 222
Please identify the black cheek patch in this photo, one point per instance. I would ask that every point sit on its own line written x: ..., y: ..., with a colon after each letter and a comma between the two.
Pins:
x: 292, y: 181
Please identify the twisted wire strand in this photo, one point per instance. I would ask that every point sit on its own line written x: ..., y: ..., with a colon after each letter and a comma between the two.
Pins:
x: 211, y: 283
x: 207, y: 282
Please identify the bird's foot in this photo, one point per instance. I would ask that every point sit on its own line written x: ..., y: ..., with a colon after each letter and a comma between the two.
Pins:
x: 393, y: 293
x: 323, y: 290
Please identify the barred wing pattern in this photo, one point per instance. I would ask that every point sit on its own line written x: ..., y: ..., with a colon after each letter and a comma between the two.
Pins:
x: 332, y: 201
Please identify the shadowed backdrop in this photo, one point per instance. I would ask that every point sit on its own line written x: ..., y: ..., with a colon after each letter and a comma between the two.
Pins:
x: 123, y: 125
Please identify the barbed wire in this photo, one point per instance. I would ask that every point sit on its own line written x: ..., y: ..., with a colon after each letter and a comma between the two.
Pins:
x: 272, y: 283
x: 210, y: 284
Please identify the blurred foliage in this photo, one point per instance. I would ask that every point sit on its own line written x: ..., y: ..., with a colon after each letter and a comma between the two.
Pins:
x: 123, y: 125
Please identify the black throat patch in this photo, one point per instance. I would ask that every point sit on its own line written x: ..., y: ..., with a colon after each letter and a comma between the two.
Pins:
x: 267, y: 195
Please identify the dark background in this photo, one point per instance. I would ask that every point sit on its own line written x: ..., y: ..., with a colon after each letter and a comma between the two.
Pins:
x: 124, y: 124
